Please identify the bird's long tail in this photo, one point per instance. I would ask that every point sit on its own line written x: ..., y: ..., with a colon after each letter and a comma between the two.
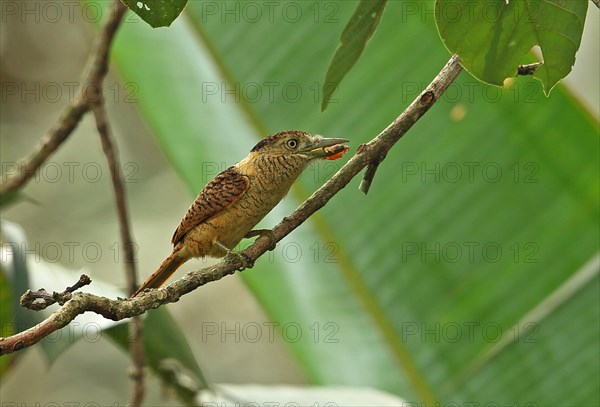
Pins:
x: 165, y: 270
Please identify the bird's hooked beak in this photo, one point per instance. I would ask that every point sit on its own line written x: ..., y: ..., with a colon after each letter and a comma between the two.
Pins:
x: 323, y: 147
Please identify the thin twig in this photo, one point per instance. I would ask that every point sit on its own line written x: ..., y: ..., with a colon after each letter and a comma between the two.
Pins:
x: 384, y: 141
x: 110, y: 151
x: 365, y: 183
x: 89, y: 87
x: 112, y: 156
x: 82, y: 282
x: 42, y: 299
x: 125, y: 308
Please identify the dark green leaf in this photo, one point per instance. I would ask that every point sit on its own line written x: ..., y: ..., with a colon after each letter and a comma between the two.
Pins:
x: 167, y: 352
x: 13, y: 317
x: 353, y: 40
x: 16, y: 242
x: 16, y: 196
x: 157, y: 13
x: 7, y: 325
x: 10, y: 198
x: 163, y: 339
x: 493, y: 37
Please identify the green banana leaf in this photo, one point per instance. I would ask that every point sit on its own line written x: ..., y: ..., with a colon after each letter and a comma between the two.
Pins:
x: 469, y: 272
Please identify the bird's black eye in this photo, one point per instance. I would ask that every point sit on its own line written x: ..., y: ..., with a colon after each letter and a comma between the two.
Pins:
x: 292, y: 143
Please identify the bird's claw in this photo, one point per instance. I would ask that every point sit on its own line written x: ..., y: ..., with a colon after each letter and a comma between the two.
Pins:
x: 264, y: 232
x: 247, y: 262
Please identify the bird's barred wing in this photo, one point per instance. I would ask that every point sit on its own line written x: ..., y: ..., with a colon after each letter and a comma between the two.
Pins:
x: 224, y: 190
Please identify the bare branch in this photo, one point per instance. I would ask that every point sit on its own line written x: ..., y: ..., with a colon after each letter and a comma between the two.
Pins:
x: 126, y: 308
x: 110, y: 151
x: 380, y: 145
x: 82, y: 282
x: 42, y: 299
x: 365, y: 183
x: 112, y: 156
x: 89, y: 87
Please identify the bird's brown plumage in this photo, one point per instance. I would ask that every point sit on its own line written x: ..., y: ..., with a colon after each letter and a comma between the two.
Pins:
x: 224, y: 190
x: 230, y: 205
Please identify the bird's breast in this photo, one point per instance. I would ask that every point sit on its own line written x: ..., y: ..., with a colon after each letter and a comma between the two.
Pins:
x: 270, y: 181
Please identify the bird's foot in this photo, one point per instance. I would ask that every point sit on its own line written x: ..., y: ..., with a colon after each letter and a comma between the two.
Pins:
x: 235, y: 257
x: 263, y: 232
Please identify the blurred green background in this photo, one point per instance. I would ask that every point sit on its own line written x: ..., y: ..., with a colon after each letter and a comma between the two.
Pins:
x: 482, y: 222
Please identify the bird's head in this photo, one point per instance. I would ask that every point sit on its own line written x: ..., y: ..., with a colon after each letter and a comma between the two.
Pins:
x: 301, y: 145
